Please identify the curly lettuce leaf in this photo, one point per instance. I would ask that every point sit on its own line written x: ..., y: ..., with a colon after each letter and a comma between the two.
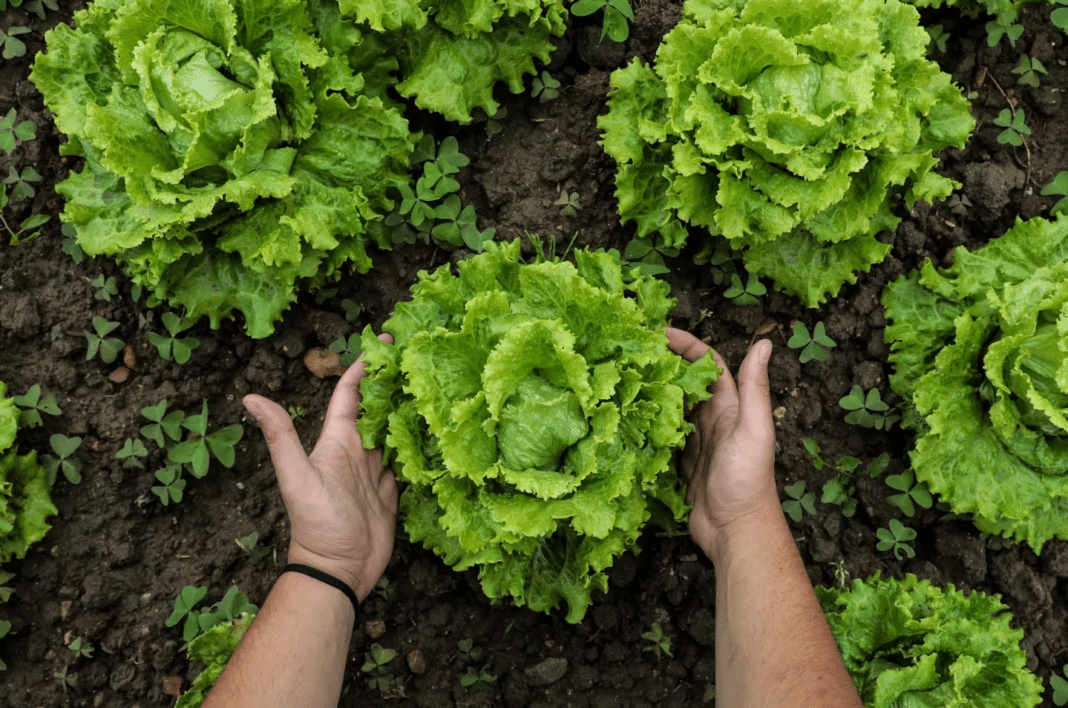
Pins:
x: 980, y: 354
x: 9, y: 419
x: 25, y: 504
x: 213, y: 648
x: 907, y: 642
x: 535, y: 434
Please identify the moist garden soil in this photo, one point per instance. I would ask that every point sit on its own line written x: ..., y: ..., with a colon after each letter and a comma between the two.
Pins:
x: 115, y: 559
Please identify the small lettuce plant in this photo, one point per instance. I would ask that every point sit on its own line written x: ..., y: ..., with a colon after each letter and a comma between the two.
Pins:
x: 533, y: 411
x: 980, y: 356
x: 909, y: 643
x: 790, y: 128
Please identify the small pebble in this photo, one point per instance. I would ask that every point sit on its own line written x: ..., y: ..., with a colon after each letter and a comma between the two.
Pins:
x: 375, y: 628
x: 416, y: 662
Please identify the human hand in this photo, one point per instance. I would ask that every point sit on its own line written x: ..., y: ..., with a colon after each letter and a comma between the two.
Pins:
x: 728, y: 462
x: 342, y: 504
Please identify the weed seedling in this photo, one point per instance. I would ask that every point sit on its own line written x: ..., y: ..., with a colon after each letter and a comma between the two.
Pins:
x: 1014, y: 125
x: 297, y: 414
x: 5, y: 591
x: 1057, y: 683
x: 453, y: 220
x: 12, y: 131
x: 234, y: 604
x: 20, y: 183
x: 28, y: 230
x: 1030, y: 68
x: 896, y: 538
x: 813, y: 449
x: 100, y: 342
x: 12, y: 46
x: 867, y: 410
x: 616, y: 15
x: 256, y: 553
x: 352, y: 309
x: 468, y: 653
x: 659, y: 643
x: 197, y: 452
x: 648, y: 260
x: 63, y: 460
x: 494, y: 123
x: 815, y: 346
x: 959, y: 204
x: 799, y: 502
x: 720, y: 260
x: 569, y: 204
x: 545, y: 88
x: 182, y: 349
x: 1005, y: 26
x: 385, y: 590
x: 938, y: 36
x: 165, y: 428
x: 912, y: 494
x: 1058, y: 188
x: 171, y: 485
x: 349, y: 349
x: 66, y: 680
x: 747, y: 295
x: 82, y: 648
x: 105, y: 287
x: 70, y: 244
x: 476, y: 680
x: 131, y: 453
x: 33, y: 404
x: 376, y: 666
x: 1059, y: 18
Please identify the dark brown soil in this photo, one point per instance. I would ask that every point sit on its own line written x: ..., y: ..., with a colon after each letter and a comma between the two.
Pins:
x: 115, y: 559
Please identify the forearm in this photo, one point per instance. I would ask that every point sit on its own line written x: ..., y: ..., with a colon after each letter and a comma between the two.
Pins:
x: 294, y: 653
x: 773, y: 646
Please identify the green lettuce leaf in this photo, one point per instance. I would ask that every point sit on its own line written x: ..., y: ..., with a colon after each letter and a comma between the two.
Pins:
x: 214, y: 648
x: 25, y: 504
x: 765, y: 122
x: 9, y: 419
x: 535, y: 434
x: 909, y: 643
x: 232, y: 157
x: 980, y: 354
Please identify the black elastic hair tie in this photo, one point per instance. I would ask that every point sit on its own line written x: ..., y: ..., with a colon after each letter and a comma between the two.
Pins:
x: 324, y: 578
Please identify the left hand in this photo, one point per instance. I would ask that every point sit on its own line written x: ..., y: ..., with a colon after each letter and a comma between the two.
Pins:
x: 342, y: 503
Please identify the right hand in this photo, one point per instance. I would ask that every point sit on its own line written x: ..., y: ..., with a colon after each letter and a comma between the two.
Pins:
x: 728, y: 462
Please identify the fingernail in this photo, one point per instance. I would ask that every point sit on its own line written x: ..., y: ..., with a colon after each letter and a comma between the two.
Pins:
x: 765, y: 350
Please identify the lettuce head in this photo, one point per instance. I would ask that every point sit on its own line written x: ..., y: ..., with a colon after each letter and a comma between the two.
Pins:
x: 230, y: 154
x: 909, y: 643
x: 980, y: 355
x: 25, y: 497
x: 533, y: 411
x: 789, y: 128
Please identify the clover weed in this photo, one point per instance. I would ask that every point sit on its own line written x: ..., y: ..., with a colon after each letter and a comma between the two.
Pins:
x: 21, y: 187
x: 1060, y: 687
x: 5, y: 591
x: 616, y: 16
x: 81, y: 648
x: 165, y: 428
x: 747, y: 295
x: 171, y: 485
x: 545, y: 88
x: 475, y: 680
x: 1029, y: 68
x: 569, y: 204
x: 32, y: 404
x: 1015, y: 126
x: 196, y: 622
x: 131, y: 453
x: 101, y: 343
x: 11, y: 44
x: 1004, y: 26
x: 867, y: 410
x: 106, y: 287
x: 814, y: 346
x: 376, y: 665
x: 12, y: 131
x: 30, y: 227
x: 1059, y: 17
x: 349, y: 349
x: 197, y: 452
x: 799, y: 502
x: 1058, y: 187
x: 63, y: 460
x: 659, y: 643
x: 181, y: 349
x: 896, y: 538
x: 912, y: 494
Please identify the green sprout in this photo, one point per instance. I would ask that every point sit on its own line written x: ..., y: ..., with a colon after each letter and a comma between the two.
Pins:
x: 475, y: 680
x: 1004, y: 26
x: 63, y: 460
x: 20, y: 183
x: 233, y: 604
x: 66, y: 680
x: 30, y: 227
x: 813, y: 449
x: 815, y: 346
x: 1059, y: 18
x: 839, y: 490
x: 171, y: 485
x: 867, y: 410
x: 12, y: 131
x: 569, y: 204
x: 1058, y: 187
x: 959, y: 204
x: 1014, y: 125
x: 456, y: 225
x: 81, y: 648
x: 12, y: 46
x: 131, y: 453
x: 616, y: 15
x: 184, y: 605
x: 650, y: 262
x: 1058, y: 684
x: 468, y: 653
x: 70, y: 244
x: 256, y: 553
x: 747, y: 295
x: 938, y: 36
x: 912, y: 494
x: 297, y: 414
x: 352, y: 309
x: 1029, y: 68
x: 545, y: 88
x: 198, y: 451
x: 376, y: 665
x: 106, y: 287
x: 181, y: 349
x: 100, y: 342
x: 5, y: 591
x: 33, y: 404
x: 896, y: 538
x: 659, y: 643
x: 799, y: 502
x: 165, y: 428
x: 349, y: 349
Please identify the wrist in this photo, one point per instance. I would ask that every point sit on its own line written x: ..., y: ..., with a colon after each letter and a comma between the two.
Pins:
x: 762, y: 527
x: 344, y: 570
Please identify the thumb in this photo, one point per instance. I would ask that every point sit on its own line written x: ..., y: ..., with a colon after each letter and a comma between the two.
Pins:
x: 754, y: 393
x: 286, y: 451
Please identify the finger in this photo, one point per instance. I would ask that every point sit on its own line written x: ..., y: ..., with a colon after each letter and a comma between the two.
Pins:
x: 685, y: 344
x: 287, y: 453
x: 345, y: 402
x: 724, y: 392
x: 755, y: 392
x: 388, y: 490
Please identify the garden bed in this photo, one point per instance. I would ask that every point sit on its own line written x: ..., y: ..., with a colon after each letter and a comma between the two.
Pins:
x: 115, y: 559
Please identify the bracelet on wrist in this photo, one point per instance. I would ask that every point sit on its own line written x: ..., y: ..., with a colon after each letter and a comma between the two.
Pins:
x: 324, y: 577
